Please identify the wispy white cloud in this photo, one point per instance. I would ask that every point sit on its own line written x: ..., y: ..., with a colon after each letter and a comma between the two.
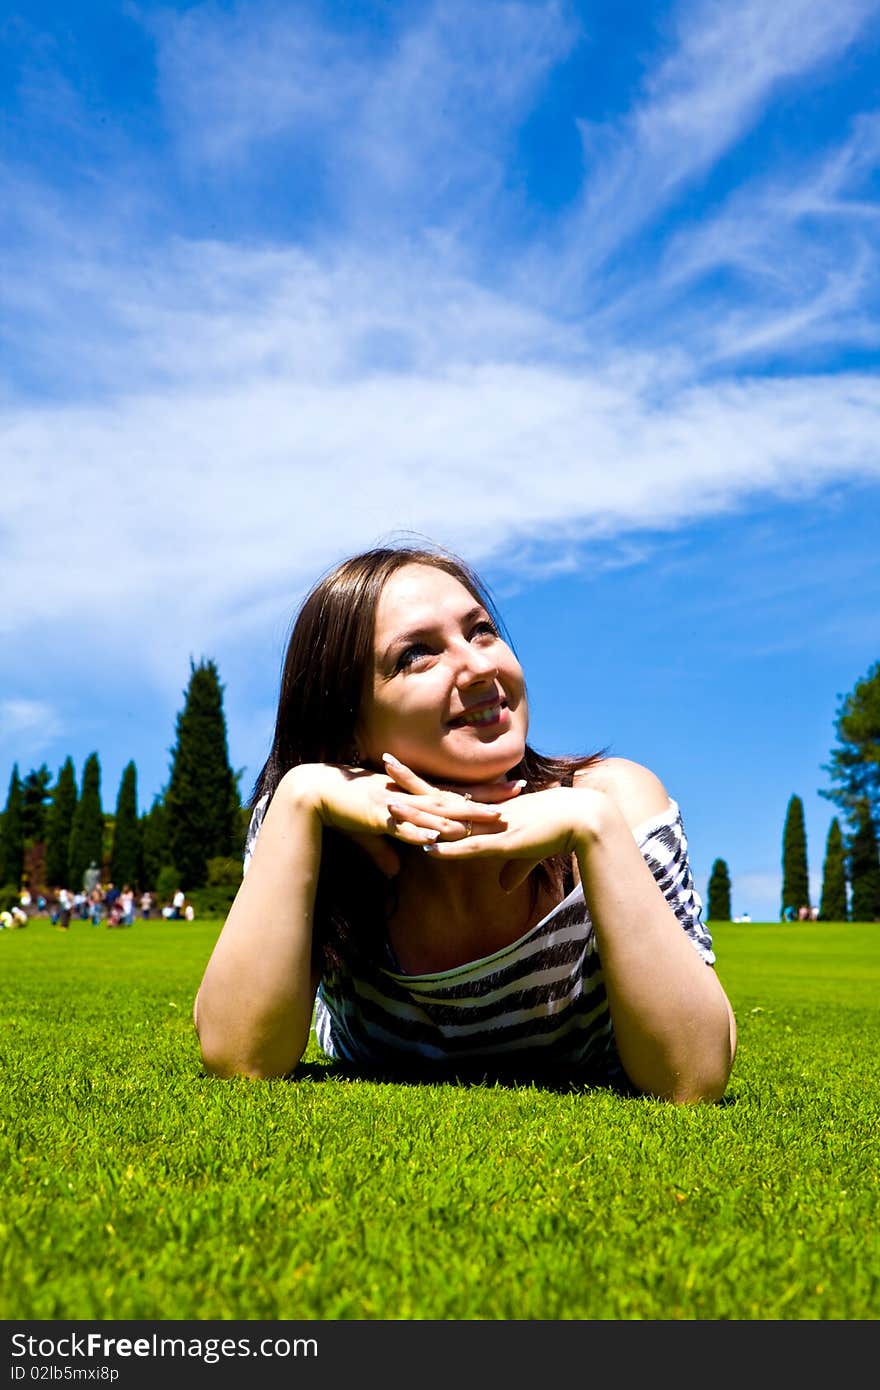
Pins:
x: 413, y: 120
x: 213, y: 500
x: 724, y: 64
x: 233, y: 417
x: 230, y: 79
x: 28, y: 725
x: 800, y: 248
x: 443, y: 109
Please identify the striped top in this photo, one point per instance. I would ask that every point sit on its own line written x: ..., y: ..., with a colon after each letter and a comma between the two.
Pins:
x: 537, y: 1006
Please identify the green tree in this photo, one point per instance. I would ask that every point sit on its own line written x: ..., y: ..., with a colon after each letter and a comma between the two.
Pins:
x: 202, y: 799
x: 719, y: 892
x: 125, y: 858
x: 864, y: 867
x: 12, y: 834
x: 795, y: 877
x: 855, y: 762
x: 59, y: 823
x: 832, y: 904
x: 34, y: 796
x: 87, y: 830
x: 155, y: 846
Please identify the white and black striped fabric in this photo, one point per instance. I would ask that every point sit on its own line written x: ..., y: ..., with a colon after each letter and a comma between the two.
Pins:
x: 537, y: 1006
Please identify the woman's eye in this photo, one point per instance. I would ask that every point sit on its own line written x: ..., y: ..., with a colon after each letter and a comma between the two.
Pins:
x: 412, y: 654
x: 485, y: 629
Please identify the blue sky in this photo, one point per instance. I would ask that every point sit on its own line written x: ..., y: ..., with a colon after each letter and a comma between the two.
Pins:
x: 587, y: 292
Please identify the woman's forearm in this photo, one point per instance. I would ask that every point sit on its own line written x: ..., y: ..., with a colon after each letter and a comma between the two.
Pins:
x: 254, y: 1007
x: 672, y: 1022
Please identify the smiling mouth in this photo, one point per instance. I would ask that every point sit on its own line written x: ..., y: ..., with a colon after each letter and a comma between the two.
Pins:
x: 480, y: 718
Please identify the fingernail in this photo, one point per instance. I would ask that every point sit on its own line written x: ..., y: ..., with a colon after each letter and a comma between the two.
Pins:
x: 389, y: 758
x: 433, y: 835
x: 521, y: 783
x: 429, y: 848
x: 396, y: 806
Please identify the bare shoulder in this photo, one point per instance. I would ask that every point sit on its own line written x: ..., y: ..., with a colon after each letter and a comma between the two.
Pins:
x: 637, y: 791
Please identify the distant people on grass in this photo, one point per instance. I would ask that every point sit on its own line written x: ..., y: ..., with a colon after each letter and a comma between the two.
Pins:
x: 805, y: 913
x: 114, y: 916
x: 96, y: 903
x: 65, y: 902
x: 111, y: 897
x: 179, y: 910
x: 116, y: 907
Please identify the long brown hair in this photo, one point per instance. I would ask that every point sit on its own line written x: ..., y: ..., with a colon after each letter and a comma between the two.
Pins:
x: 329, y: 657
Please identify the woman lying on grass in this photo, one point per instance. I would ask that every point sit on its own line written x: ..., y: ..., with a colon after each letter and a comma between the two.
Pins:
x: 455, y: 900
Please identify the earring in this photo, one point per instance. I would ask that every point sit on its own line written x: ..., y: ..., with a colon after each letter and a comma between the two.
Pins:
x: 355, y: 758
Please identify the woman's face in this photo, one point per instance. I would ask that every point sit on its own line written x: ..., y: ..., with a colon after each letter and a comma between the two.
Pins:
x: 448, y: 695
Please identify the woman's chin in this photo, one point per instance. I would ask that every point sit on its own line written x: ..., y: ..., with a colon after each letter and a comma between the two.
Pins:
x: 485, y: 764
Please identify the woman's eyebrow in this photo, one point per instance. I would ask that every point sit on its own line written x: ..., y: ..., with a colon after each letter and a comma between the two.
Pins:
x: 428, y: 629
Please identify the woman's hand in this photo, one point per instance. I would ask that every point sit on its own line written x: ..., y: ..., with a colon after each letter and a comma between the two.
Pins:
x: 529, y: 828
x: 369, y: 807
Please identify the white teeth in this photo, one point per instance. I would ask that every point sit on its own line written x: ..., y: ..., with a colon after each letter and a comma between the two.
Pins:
x: 482, y: 716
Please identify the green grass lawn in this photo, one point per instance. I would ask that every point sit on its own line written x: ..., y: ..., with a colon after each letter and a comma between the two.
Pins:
x: 134, y: 1187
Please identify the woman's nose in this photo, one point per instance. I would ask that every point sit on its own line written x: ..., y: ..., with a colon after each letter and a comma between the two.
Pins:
x: 478, y: 664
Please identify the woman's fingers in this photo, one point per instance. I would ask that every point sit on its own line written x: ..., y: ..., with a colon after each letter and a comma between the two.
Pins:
x: 488, y: 818
x: 481, y: 791
x: 404, y: 776
x: 489, y: 791
x: 469, y: 846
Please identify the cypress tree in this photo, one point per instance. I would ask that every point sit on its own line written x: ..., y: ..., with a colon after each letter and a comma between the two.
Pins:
x: 87, y: 830
x: 864, y: 867
x: 832, y: 904
x: 202, y: 799
x: 34, y: 795
x: 795, y: 877
x: 126, y: 853
x: 155, y: 848
x: 59, y: 823
x: 12, y: 834
x: 719, y: 892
